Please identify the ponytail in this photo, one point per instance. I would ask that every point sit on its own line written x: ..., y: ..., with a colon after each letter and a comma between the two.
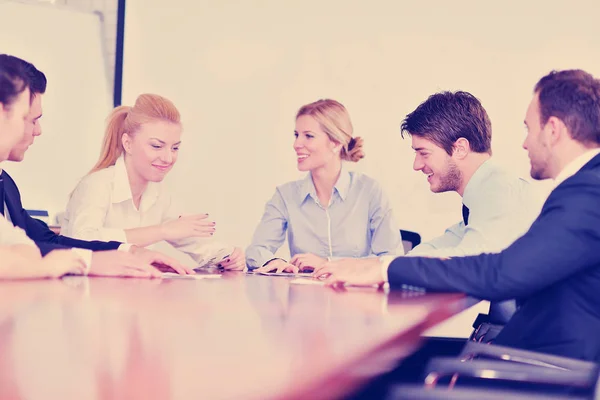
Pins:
x: 112, y: 148
x: 125, y: 119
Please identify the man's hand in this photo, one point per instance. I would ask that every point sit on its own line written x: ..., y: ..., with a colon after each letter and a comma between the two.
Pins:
x: 121, y: 264
x: 236, y: 261
x: 351, y: 271
x: 60, y: 262
x: 162, y: 262
x: 307, y: 261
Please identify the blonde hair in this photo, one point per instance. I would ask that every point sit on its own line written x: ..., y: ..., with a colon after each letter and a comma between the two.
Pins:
x: 334, y: 119
x: 126, y: 119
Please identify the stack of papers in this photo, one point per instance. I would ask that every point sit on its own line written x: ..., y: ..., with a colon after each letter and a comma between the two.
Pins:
x: 288, y: 274
x: 321, y: 282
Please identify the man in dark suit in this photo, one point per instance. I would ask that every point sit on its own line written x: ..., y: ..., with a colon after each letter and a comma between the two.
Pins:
x: 101, y: 258
x: 554, y: 269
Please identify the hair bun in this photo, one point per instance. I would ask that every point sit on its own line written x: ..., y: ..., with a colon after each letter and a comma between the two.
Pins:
x: 355, y: 149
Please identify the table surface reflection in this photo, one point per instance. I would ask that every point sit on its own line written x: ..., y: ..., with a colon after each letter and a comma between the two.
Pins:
x: 240, y: 336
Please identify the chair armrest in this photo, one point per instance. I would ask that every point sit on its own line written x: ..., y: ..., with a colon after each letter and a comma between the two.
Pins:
x: 474, y: 350
x: 508, y: 371
x: 415, y: 392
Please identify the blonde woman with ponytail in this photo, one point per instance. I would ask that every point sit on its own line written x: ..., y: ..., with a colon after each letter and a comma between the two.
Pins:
x: 123, y: 199
x: 332, y: 212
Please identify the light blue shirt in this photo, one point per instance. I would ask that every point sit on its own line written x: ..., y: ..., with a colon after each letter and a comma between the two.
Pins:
x: 358, y: 222
x: 502, y: 207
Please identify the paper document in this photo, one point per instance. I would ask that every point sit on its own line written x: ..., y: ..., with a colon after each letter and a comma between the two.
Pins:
x: 321, y: 282
x: 173, y: 275
x: 288, y: 274
x: 304, y: 281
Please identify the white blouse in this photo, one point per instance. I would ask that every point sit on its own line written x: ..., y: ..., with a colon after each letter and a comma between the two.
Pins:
x: 101, y: 208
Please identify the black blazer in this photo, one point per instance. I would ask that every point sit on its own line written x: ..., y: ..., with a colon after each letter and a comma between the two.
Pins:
x: 37, y: 230
x: 553, y: 271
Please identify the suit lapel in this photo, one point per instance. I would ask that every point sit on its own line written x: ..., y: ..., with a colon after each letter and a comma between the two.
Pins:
x: 13, y: 201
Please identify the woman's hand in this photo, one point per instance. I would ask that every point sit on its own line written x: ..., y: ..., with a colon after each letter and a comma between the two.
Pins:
x: 277, y: 265
x: 236, y: 261
x: 307, y: 261
x: 188, y: 226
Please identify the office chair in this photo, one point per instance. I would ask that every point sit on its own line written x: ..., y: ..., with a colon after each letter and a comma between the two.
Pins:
x: 410, y: 240
x: 39, y: 214
x: 474, y: 350
x: 493, y: 379
x: 496, y: 367
x: 584, y: 377
x: 415, y: 392
x: 43, y: 217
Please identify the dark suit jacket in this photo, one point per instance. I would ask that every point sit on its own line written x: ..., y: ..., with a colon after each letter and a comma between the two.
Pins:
x: 37, y: 230
x: 553, y: 271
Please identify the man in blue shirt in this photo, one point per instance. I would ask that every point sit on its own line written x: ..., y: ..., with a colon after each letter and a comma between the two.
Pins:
x: 553, y: 269
x: 451, y: 134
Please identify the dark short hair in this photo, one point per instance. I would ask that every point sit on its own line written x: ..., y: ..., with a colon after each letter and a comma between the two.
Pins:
x: 13, y: 79
x: 573, y: 96
x: 447, y: 116
x: 37, y: 79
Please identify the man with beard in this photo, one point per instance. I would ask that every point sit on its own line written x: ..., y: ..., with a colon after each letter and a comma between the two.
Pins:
x: 451, y: 135
x: 554, y: 268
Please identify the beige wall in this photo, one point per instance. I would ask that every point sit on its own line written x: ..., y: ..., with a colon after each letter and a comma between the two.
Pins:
x: 106, y: 9
x: 239, y: 70
x: 66, y: 44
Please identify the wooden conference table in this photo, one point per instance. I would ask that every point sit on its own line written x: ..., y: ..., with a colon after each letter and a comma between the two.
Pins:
x: 236, y: 337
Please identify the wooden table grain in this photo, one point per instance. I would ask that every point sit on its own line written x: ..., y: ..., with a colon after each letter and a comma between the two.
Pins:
x: 237, y: 337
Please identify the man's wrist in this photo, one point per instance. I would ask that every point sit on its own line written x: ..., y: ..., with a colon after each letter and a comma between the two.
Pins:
x: 86, y: 257
x: 385, y: 262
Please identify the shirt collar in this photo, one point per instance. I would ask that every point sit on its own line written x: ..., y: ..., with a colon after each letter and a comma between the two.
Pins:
x: 575, y: 165
x: 342, y: 186
x: 470, y: 193
x: 122, y: 190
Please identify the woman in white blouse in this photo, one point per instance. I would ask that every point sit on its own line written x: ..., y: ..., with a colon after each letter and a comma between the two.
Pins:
x: 19, y: 256
x: 123, y: 199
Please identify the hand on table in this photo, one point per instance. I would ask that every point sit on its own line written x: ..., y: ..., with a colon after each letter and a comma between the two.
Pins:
x: 351, y: 271
x: 277, y: 265
x: 236, y: 261
x: 307, y: 261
